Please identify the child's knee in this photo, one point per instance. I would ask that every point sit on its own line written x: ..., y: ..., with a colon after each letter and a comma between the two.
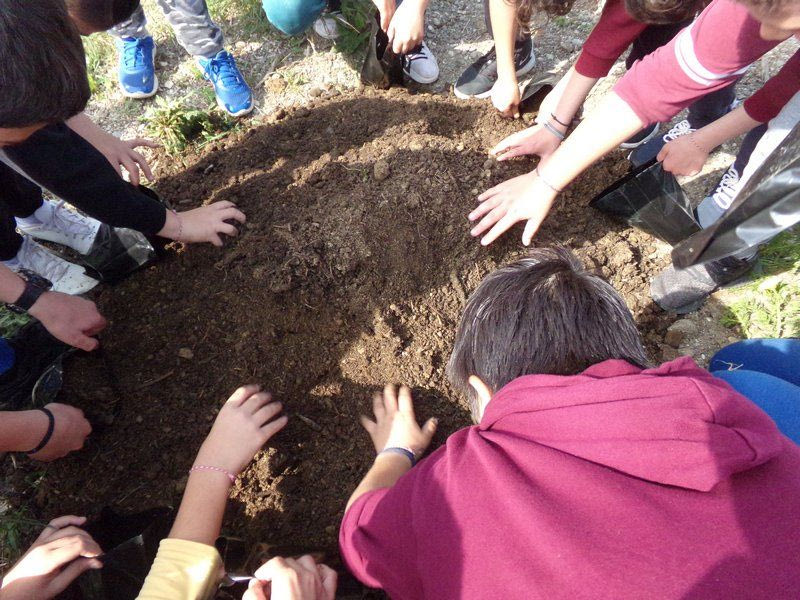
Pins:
x: 293, y: 16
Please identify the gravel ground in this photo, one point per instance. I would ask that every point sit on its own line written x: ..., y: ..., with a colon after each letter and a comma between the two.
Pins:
x: 285, y: 71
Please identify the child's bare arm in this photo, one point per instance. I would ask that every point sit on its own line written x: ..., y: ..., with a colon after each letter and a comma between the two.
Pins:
x: 505, y: 94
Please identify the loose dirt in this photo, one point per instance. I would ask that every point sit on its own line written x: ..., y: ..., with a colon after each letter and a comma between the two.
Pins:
x: 352, y: 271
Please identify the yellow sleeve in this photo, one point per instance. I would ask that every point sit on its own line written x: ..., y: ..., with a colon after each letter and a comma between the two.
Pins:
x: 183, y: 570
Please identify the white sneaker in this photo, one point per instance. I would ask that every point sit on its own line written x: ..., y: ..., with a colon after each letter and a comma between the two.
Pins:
x: 420, y: 65
x: 67, y: 277
x: 54, y: 222
x: 327, y: 26
x: 679, y: 130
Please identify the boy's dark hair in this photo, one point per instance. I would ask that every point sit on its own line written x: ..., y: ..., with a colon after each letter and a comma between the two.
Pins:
x: 102, y: 14
x: 543, y: 314
x: 664, y: 12
x: 42, y: 65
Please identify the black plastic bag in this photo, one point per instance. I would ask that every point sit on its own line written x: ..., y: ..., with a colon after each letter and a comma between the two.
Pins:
x: 535, y: 91
x: 650, y: 199
x: 116, y: 253
x: 382, y: 67
x: 130, y: 544
x: 767, y: 204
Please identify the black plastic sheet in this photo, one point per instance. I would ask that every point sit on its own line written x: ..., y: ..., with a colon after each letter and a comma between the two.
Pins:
x: 768, y: 204
x: 382, y: 67
x: 650, y: 199
x: 116, y: 253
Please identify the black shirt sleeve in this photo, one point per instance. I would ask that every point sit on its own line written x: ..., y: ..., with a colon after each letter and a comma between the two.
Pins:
x: 60, y: 160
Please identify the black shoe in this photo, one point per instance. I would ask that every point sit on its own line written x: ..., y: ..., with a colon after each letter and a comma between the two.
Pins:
x: 684, y: 290
x: 479, y: 78
x: 38, y: 355
x: 644, y: 136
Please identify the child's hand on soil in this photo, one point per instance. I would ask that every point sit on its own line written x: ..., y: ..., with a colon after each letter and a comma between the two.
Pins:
x: 395, y: 425
x: 523, y: 198
x: 71, y: 319
x: 386, y: 10
x: 69, y: 433
x: 58, y: 556
x: 505, y: 97
x: 122, y: 153
x: 683, y: 156
x: 534, y: 140
x: 244, y: 424
x: 203, y: 224
x: 407, y: 27
x: 292, y: 579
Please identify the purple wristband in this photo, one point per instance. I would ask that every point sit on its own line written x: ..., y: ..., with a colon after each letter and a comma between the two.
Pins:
x: 407, y: 452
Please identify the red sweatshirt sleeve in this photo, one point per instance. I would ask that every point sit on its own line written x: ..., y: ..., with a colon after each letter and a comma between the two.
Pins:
x: 767, y: 102
x: 614, y: 32
x: 714, y: 51
x: 376, y: 538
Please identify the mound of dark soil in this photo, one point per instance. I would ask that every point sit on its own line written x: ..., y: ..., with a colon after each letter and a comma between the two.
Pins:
x: 351, y: 271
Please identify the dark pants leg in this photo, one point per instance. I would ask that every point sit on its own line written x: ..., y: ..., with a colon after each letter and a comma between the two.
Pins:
x: 20, y: 198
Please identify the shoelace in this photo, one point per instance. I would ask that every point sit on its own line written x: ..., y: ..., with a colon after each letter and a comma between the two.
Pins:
x: 133, y: 55
x: 224, y: 69
x: 682, y: 128
x: 727, y: 188
x: 416, y: 54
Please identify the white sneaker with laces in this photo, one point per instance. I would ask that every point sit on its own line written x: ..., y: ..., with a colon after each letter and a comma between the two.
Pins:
x: 327, y: 26
x: 421, y: 65
x: 727, y: 188
x: 67, y: 277
x: 680, y: 129
x: 54, y: 222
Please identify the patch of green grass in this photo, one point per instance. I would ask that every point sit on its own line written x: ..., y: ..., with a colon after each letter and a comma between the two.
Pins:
x: 560, y: 21
x: 101, y: 62
x: 11, y: 322
x: 17, y: 527
x: 247, y: 15
x: 770, y: 306
x: 176, y: 126
x: 354, y: 25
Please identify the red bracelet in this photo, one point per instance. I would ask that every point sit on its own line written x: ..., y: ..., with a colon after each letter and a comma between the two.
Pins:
x: 231, y: 476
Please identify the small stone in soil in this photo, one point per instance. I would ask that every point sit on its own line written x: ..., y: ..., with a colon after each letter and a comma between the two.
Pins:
x: 186, y: 353
x: 678, y: 331
x: 381, y: 169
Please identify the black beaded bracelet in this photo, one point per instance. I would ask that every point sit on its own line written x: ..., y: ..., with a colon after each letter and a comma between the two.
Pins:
x: 557, y: 120
x: 51, y: 426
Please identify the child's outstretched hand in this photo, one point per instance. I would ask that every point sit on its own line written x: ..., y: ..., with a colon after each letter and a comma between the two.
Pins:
x: 533, y: 140
x: 203, y: 224
x: 523, y: 198
x: 395, y: 424
x: 244, y: 424
x: 685, y: 155
x: 292, y: 579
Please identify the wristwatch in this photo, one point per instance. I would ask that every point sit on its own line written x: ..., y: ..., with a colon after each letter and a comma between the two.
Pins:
x: 35, y: 286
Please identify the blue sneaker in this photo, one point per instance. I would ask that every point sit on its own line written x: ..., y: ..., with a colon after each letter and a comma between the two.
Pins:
x: 137, y: 75
x: 233, y: 94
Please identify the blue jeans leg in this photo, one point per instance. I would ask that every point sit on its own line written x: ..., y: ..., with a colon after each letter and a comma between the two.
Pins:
x: 777, y: 357
x: 776, y: 397
x: 293, y: 16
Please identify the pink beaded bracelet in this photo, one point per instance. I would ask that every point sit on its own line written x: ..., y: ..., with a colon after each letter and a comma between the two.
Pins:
x: 230, y: 475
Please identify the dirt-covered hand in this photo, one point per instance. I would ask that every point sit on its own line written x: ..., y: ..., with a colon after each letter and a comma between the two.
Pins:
x: 386, y: 10
x: 69, y: 432
x: 71, y: 319
x: 505, y: 97
x: 59, y: 555
x: 395, y: 425
x: 204, y: 224
x: 244, y: 424
x: 683, y: 156
x: 533, y: 140
x: 523, y: 198
x: 292, y: 579
x: 407, y: 27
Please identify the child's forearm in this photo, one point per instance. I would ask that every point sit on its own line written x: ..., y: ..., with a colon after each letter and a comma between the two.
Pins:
x: 576, y: 88
x: 610, y: 124
x: 504, y: 30
x: 11, y: 285
x: 732, y: 125
x: 200, y: 515
x: 385, y: 472
x: 86, y: 128
x: 21, y: 431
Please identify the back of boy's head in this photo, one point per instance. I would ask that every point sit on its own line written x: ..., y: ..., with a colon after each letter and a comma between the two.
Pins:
x: 544, y: 314
x: 664, y: 12
x: 101, y: 15
x: 42, y: 64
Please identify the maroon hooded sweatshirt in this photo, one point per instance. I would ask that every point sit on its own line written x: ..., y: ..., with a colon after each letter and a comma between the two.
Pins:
x: 615, y: 483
